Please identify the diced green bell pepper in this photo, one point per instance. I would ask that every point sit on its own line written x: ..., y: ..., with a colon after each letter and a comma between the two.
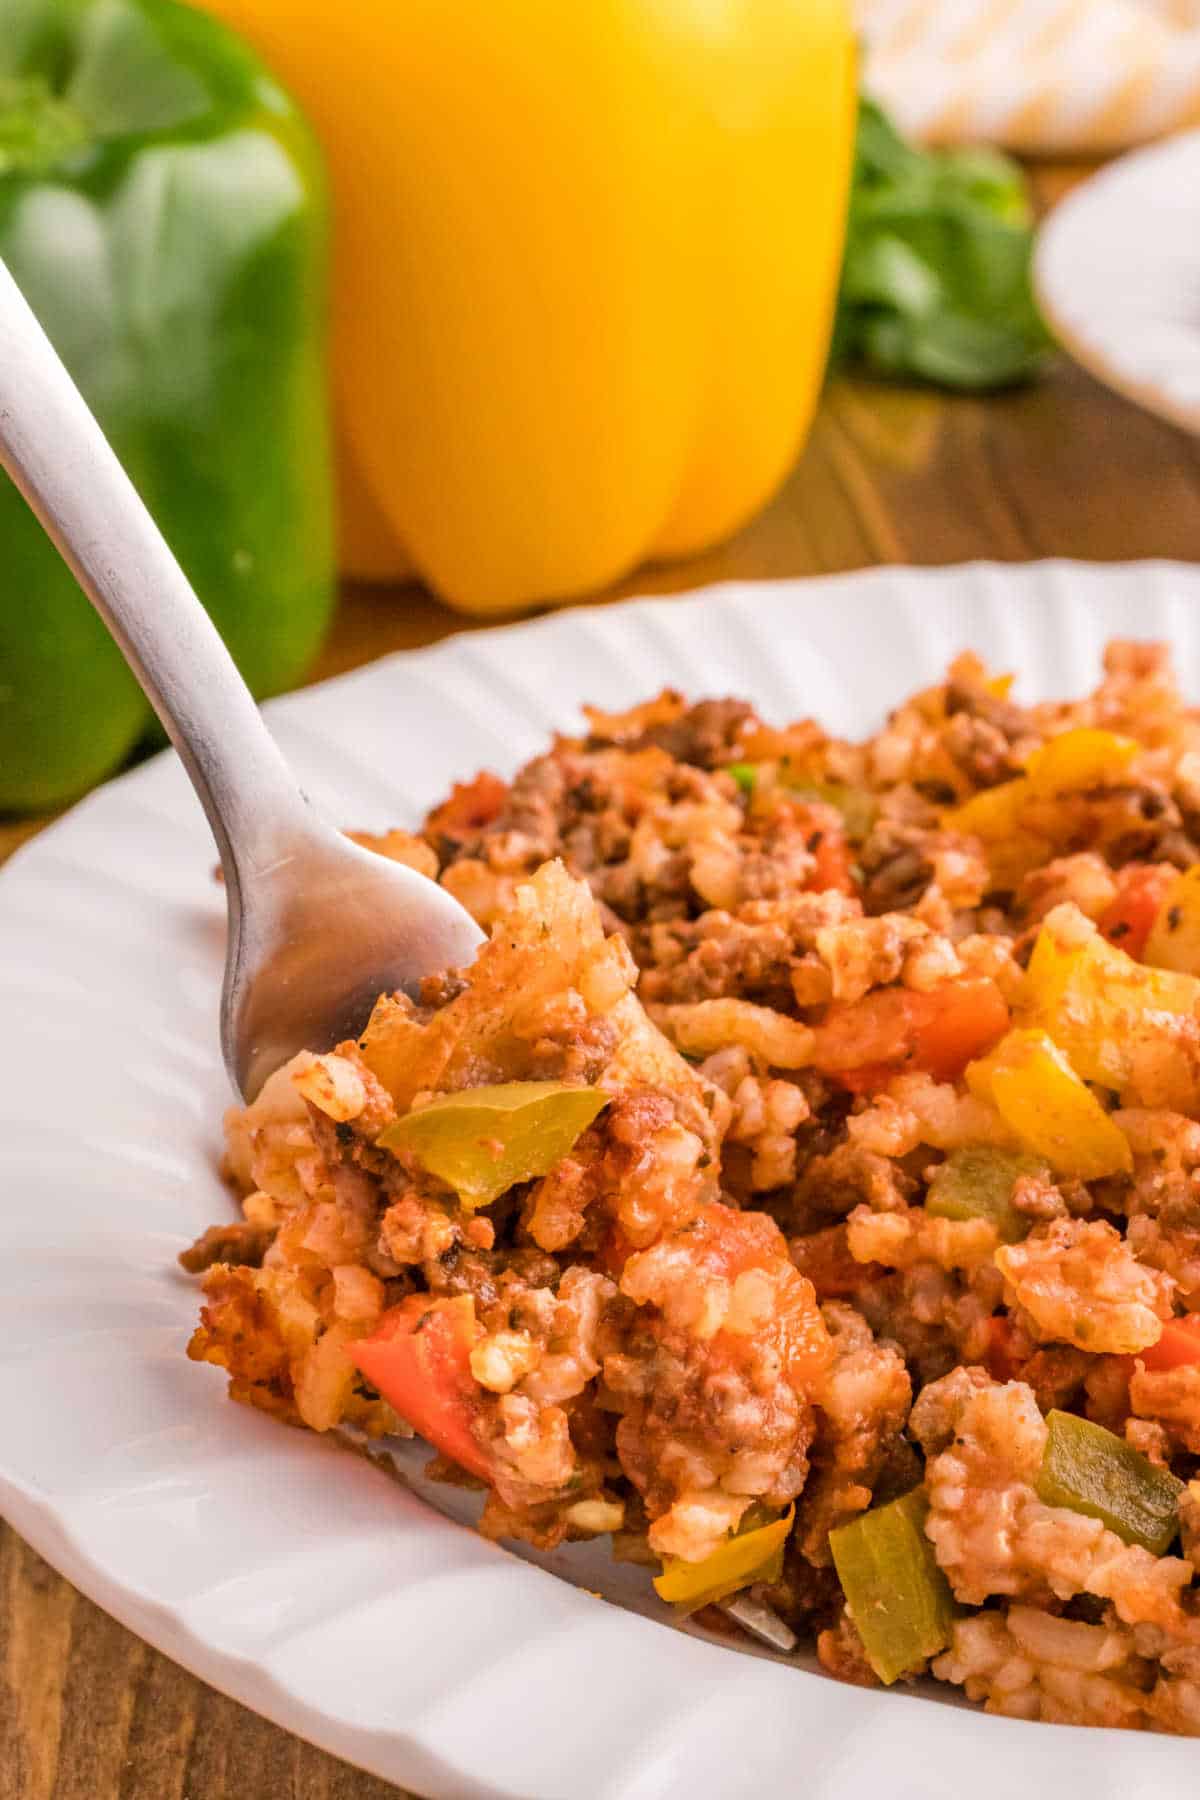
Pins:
x: 163, y: 209
x: 484, y: 1140
x: 978, y: 1183
x: 1092, y: 1471
x: 898, y: 1597
x: 858, y: 808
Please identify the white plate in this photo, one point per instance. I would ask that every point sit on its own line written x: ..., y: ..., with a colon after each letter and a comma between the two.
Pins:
x: 289, y: 1574
x: 1117, y: 273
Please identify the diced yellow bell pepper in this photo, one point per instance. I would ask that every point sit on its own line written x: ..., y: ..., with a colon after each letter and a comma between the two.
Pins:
x: 995, y: 815
x: 1174, y: 941
x: 1037, y: 1093
x: 999, y: 816
x: 745, y: 1556
x: 1077, y: 760
x: 1097, y: 1003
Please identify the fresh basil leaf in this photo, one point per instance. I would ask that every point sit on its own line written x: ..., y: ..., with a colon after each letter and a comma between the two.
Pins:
x: 936, y: 283
x: 882, y: 270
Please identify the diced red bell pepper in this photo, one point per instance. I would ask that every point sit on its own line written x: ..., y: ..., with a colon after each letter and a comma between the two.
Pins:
x: 1141, y: 890
x: 867, y: 1080
x: 939, y: 1032
x: 1178, y: 1346
x: 834, y: 864
x: 720, y: 1240
x: 471, y: 806
x: 964, y: 1019
x: 419, y: 1358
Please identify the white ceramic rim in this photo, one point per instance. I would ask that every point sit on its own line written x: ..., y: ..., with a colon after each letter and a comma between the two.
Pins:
x: 1117, y: 274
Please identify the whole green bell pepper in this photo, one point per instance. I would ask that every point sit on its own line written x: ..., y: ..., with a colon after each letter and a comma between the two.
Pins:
x: 162, y: 206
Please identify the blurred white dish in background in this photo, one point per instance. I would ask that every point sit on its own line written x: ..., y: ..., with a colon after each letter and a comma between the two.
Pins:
x: 290, y: 1574
x: 1117, y: 273
x: 1042, y: 77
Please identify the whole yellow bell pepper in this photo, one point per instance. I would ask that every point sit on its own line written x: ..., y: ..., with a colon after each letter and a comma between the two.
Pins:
x: 587, y: 254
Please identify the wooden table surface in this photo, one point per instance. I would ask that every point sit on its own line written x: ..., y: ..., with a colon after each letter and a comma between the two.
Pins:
x: 87, y: 1711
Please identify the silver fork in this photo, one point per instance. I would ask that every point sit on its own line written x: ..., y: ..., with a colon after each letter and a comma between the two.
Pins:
x: 317, y: 926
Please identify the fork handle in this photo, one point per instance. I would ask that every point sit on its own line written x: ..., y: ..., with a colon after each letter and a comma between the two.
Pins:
x: 62, y: 463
